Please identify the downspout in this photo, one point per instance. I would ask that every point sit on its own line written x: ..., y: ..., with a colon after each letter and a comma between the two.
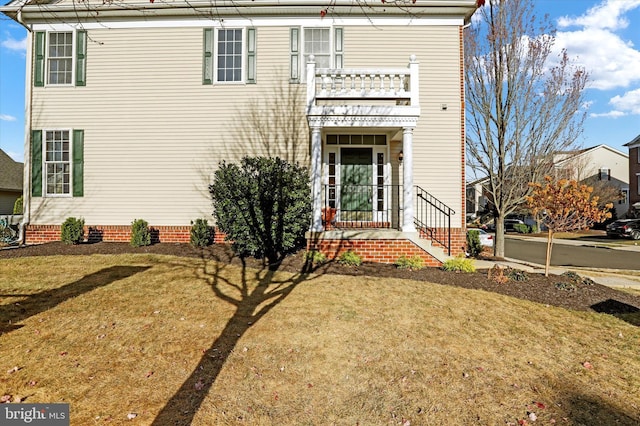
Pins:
x: 26, y: 185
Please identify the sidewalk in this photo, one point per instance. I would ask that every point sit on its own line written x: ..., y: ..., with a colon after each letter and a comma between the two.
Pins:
x: 608, y: 277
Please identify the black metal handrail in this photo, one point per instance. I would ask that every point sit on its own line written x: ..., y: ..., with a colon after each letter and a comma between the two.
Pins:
x: 433, y: 218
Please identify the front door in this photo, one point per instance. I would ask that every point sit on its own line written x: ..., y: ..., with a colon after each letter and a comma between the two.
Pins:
x: 356, y: 184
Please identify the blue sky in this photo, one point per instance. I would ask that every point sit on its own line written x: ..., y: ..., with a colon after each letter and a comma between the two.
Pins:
x: 602, y: 35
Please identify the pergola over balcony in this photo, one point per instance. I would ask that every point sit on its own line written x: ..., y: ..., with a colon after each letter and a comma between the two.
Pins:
x: 364, y: 98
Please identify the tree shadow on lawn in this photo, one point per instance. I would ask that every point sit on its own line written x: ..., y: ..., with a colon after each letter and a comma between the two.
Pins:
x: 620, y: 310
x: 252, y: 302
x: 43, y: 301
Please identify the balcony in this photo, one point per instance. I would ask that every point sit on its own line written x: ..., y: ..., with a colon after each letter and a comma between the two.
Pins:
x: 363, y: 97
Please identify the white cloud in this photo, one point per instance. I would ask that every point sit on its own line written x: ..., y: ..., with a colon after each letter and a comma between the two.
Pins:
x: 6, y: 117
x: 630, y: 102
x: 611, y: 61
x: 13, y: 44
x: 607, y: 15
x: 610, y: 114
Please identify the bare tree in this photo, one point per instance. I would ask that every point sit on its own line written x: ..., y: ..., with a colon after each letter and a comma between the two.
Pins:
x: 565, y: 206
x: 521, y: 108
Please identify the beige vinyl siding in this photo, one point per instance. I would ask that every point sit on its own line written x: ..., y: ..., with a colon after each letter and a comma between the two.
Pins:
x: 153, y: 133
x: 437, y: 138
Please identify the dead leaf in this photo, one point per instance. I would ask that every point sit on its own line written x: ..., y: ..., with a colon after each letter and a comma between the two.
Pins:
x: 63, y: 353
x: 5, y: 398
x: 540, y: 405
x: 13, y: 370
x: 32, y: 383
x: 149, y: 374
x: 132, y: 416
x: 587, y: 365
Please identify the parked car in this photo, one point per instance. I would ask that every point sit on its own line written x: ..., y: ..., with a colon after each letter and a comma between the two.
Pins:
x: 624, y: 228
x: 509, y: 224
x: 486, y: 239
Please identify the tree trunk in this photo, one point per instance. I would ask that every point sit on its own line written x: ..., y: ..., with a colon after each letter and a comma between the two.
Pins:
x: 498, y: 241
x: 549, y: 246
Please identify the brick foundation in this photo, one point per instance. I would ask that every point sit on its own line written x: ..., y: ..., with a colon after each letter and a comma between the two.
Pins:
x: 113, y: 233
x: 371, y: 250
x: 384, y: 250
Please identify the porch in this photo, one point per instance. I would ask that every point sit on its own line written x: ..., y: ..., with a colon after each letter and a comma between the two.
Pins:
x: 362, y: 123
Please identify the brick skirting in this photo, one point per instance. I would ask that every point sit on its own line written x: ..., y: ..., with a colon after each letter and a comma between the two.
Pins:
x: 371, y: 250
x: 113, y: 233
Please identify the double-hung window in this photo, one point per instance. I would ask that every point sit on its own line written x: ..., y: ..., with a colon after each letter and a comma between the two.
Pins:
x: 229, y: 55
x: 325, y: 44
x: 57, y: 163
x: 60, y: 58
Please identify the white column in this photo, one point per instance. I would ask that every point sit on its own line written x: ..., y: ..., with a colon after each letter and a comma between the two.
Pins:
x: 316, y: 178
x: 407, y: 179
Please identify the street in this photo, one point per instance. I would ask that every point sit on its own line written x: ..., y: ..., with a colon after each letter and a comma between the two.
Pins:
x: 571, y: 255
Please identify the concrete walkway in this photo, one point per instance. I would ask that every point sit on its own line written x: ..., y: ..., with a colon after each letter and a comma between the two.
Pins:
x: 608, y: 277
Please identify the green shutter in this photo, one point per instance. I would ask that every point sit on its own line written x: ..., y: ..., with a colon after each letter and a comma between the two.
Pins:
x: 251, y: 55
x: 38, y: 56
x: 294, y: 53
x: 36, y: 163
x: 207, y: 59
x: 78, y: 163
x: 81, y: 58
x: 338, y: 42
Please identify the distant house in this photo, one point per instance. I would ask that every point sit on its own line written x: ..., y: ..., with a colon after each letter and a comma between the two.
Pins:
x: 634, y: 173
x: 10, y: 183
x: 603, y: 167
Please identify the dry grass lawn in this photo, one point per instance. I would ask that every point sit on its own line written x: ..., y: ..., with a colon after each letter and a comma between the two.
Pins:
x: 147, y: 339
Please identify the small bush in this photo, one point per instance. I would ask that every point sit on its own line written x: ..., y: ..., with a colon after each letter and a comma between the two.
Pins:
x: 201, y: 233
x: 315, y: 257
x: 473, y: 243
x: 350, y: 258
x: 72, y: 231
x: 18, y: 206
x: 533, y: 229
x: 566, y: 286
x: 140, y: 234
x: 412, y: 263
x: 517, y: 275
x: 577, y: 279
x: 459, y: 264
x: 521, y: 228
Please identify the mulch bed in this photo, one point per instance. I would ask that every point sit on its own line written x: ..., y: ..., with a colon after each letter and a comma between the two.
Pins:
x: 553, y: 290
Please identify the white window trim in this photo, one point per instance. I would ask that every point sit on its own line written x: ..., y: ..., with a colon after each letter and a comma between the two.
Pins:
x: 45, y: 194
x: 74, y: 37
x: 243, y: 71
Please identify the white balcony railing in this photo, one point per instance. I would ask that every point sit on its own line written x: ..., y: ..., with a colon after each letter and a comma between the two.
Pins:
x: 329, y: 86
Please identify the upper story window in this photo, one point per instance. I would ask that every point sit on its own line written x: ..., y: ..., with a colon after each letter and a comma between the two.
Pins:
x: 60, y: 58
x: 229, y: 55
x: 317, y: 42
x: 325, y: 44
x: 605, y: 174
